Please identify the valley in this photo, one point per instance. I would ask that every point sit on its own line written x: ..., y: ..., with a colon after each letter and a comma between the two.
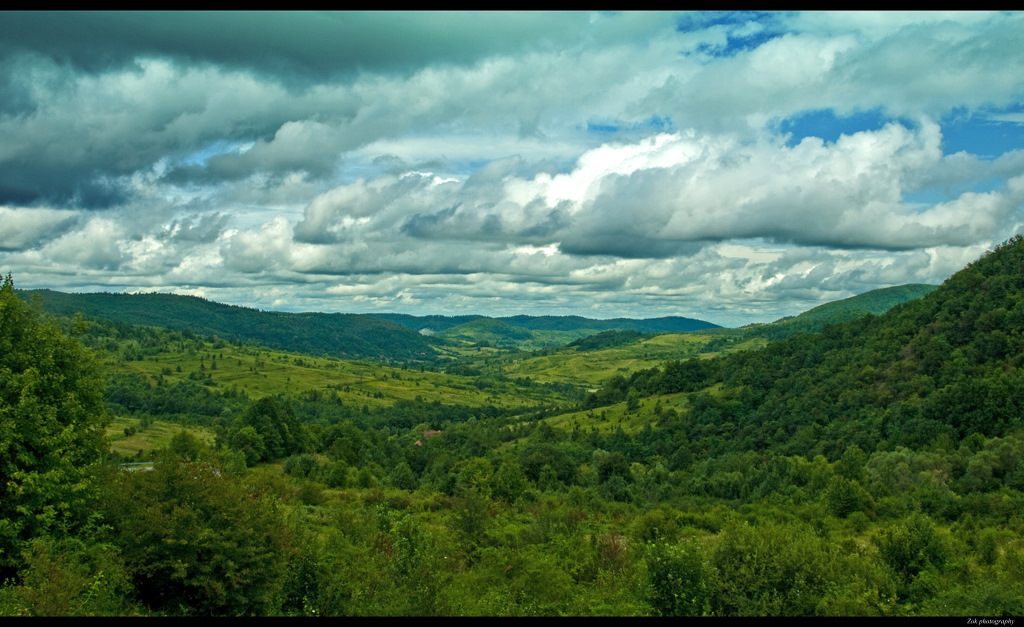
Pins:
x: 869, y: 449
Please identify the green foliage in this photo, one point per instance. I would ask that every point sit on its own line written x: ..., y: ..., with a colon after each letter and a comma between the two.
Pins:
x: 316, y: 333
x: 279, y: 432
x: 509, y: 481
x: 678, y: 576
x: 771, y: 570
x: 302, y: 466
x: 185, y: 445
x: 844, y: 496
x: 472, y: 515
x: 197, y: 539
x: 537, y: 581
x: 912, y: 546
x: 611, y: 464
x: 250, y: 443
x: 68, y: 577
x: 403, y: 477
x: 51, y: 429
x: 656, y: 524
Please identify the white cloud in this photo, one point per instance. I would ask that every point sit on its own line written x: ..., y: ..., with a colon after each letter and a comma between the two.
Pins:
x: 633, y: 170
x: 96, y: 246
x: 22, y: 228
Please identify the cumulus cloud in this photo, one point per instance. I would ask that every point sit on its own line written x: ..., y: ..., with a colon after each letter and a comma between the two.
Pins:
x: 21, y: 229
x: 609, y: 164
x: 95, y: 246
x: 672, y: 194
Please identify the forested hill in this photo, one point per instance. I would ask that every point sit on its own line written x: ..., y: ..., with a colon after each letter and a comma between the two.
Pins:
x: 431, y: 323
x: 343, y: 335
x: 945, y: 366
x: 668, y: 324
x: 875, y: 302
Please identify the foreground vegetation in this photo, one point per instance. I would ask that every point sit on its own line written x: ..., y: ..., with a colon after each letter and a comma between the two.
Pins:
x: 870, y: 469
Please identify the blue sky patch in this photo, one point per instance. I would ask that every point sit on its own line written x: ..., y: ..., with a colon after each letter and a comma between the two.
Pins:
x: 594, y: 127
x: 746, y: 30
x: 937, y: 195
x: 986, y: 135
x: 703, y: 20
x: 826, y: 125
x: 218, y: 147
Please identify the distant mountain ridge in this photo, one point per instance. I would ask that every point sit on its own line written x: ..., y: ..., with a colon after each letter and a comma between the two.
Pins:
x: 666, y: 324
x: 341, y: 335
x: 405, y: 337
x: 393, y: 336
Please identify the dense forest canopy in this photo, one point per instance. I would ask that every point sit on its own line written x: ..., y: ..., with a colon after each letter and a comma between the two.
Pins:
x: 52, y: 423
x: 858, y: 463
x: 317, y: 333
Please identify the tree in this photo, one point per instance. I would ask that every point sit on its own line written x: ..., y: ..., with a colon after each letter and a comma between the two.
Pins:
x: 185, y: 445
x: 912, y: 546
x: 197, y: 539
x: 678, y: 580
x: 276, y: 424
x: 841, y: 496
x: 250, y: 444
x: 773, y: 569
x: 611, y: 464
x: 510, y: 481
x: 52, y: 425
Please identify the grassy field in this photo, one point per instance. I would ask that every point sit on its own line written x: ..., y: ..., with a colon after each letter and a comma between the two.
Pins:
x: 590, y: 369
x: 145, y: 440
x: 611, y: 417
x: 262, y: 372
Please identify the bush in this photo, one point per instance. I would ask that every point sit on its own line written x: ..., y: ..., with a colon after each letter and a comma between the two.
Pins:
x: 677, y: 579
x: 771, y: 570
x: 198, y: 539
x: 304, y: 465
x: 912, y: 546
x: 68, y: 577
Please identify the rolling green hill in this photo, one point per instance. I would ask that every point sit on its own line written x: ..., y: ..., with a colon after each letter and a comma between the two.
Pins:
x: 875, y: 302
x: 944, y: 366
x: 668, y: 324
x: 428, y: 324
x: 525, y: 333
x: 342, y: 335
x: 490, y: 330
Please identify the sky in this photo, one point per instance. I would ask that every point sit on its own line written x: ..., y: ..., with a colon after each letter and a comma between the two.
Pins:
x: 731, y: 167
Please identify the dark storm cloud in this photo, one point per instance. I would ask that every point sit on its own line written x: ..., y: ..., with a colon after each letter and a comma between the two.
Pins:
x: 44, y: 58
x: 85, y: 137
x: 294, y: 47
x: 429, y: 225
x: 35, y: 183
